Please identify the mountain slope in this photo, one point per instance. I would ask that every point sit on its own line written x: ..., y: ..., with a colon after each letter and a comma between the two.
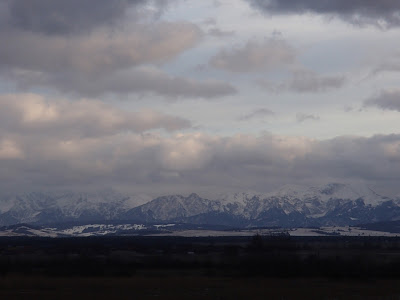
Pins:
x: 290, y: 206
x: 63, y: 207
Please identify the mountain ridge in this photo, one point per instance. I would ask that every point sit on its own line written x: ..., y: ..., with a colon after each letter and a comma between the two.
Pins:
x: 289, y: 206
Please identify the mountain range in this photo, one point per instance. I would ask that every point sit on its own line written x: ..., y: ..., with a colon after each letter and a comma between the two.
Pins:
x: 334, y: 204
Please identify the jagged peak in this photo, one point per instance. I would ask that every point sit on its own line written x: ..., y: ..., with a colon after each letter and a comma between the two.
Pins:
x: 238, y: 197
x: 194, y: 195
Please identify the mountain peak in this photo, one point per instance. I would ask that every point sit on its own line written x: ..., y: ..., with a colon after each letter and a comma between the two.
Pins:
x: 238, y: 197
x: 193, y: 196
x: 352, y: 192
x: 310, y: 205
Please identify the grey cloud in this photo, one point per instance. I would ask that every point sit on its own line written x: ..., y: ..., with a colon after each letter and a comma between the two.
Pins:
x: 140, y: 80
x: 310, y: 82
x: 255, y: 56
x: 60, y: 17
x: 301, y: 117
x: 387, y: 100
x: 390, y: 64
x: 193, y: 161
x: 100, y: 52
x: 383, y: 14
x: 220, y: 33
x: 260, y: 113
x: 101, y: 63
x: 69, y: 46
x: 31, y: 114
x: 305, y: 82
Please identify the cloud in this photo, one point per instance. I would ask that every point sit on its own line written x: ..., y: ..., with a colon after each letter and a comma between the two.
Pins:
x: 305, y: 82
x: 255, y: 56
x: 386, y: 100
x: 139, y: 80
x: 220, y: 33
x: 101, y: 63
x: 59, y: 17
x: 383, y: 14
x: 47, y: 48
x: 31, y: 114
x: 389, y: 64
x: 260, y: 113
x: 301, y: 117
x: 98, y: 53
x: 157, y: 163
x: 9, y: 150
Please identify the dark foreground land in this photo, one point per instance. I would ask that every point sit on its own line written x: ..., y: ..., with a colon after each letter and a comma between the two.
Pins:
x: 200, y: 268
x: 195, y: 288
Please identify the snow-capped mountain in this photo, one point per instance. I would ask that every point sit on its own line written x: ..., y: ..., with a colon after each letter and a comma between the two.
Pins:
x: 68, y: 206
x: 289, y: 206
x: 332, y: 204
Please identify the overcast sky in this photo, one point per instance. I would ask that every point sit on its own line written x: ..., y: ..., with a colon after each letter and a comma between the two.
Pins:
x: 175, y: 96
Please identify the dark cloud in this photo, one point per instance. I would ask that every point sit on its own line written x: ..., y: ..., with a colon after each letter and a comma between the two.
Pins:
x: 305, y: 82
x: 383, y: 13
x: 59, y: 17
x: 387, y: 100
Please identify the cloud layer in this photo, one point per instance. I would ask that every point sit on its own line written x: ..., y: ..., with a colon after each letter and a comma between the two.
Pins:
x: 255, y: 56
x: 386, y: 100
x: 305, y: 82
x: 34, y: 115
x: 383, y: 14
x: 76, y: 77
x: 58, y: 17
x: 260, y: 113
x: 86, y: 143
x: 52, y: 44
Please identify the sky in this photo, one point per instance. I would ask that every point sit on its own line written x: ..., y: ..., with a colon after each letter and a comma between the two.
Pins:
x: 211, y: 96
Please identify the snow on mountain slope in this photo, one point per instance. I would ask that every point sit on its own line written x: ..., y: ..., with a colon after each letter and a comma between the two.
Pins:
x: 59, y: 206
x: 290, y: 205
x: 238, y: 198
x: 311, y: 201
x: 351, y: 192
x: 329, y: 192
x: 171, y: 207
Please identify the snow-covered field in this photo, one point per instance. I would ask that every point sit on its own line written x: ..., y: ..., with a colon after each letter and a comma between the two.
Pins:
x: 338, y: 231
x: 323, y: 231
x: 168, y: 230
